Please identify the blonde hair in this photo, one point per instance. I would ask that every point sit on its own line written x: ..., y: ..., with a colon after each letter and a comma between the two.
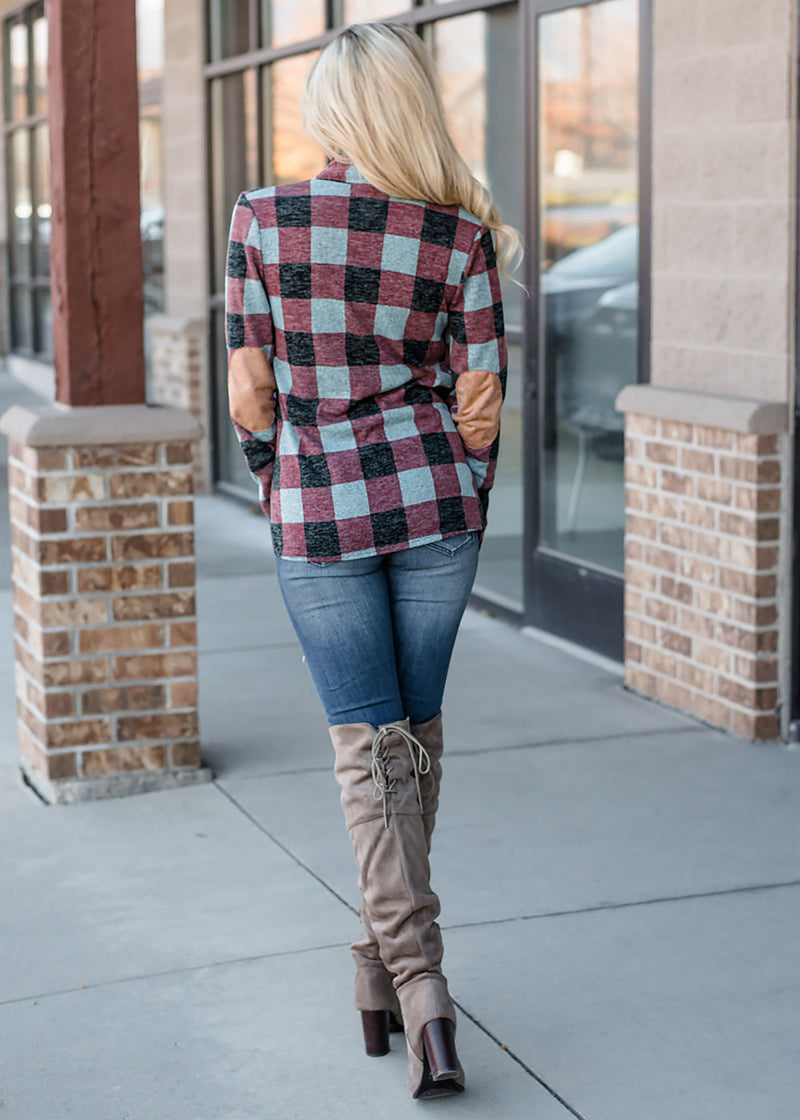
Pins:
x: 372, y: 98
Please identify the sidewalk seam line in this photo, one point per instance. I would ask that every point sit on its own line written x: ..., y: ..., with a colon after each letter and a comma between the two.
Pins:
x: 287, y: 851
x: 516, y: 1058
x: 174, y: 972
x: 721, y: 893
x: 455, y: 753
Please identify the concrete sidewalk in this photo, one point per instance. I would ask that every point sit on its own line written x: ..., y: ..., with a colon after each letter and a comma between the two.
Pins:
x: 620, y: 899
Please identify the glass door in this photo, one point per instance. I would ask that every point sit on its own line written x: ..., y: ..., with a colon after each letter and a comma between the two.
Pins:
x: 585, y: 318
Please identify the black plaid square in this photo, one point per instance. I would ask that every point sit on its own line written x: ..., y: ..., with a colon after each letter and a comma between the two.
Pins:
x: 487, y: 244
x: 322, y: 539
x: 234, y: 324
x: 458, y: 327
x: 277, y: 537
x: 237, y: 261
x: 361, y: 350
x: 439, y: 229
x: 295, y: 281
x: 428, y: 295
x: 368, y: 214
x: 361, y: 285
x: 293, y: 210
x: 357, y: 410
x: 437, y: 448
x: 302, y: 411
x: 257, y: 454
x: 389, y: 527
x: 417, y: 393
x: 314, y: 471
x: 451, y: 515
x: 499, y: 319
x: 414, y: 351
x: 377, y: 460
x: 299, y: 348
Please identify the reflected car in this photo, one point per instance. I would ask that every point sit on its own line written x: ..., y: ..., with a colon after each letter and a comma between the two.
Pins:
x: 600, y: 360
x: 572, y: 291
x: 573, y: 285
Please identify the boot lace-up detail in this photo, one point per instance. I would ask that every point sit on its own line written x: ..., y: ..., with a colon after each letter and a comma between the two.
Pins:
x: 385, y: 784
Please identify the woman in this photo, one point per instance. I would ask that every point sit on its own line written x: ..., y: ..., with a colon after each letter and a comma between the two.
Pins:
x: 366, y: 374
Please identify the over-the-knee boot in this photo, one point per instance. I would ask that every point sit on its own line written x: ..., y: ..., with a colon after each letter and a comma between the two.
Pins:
x: 380, y: 773
x: 373, y: 984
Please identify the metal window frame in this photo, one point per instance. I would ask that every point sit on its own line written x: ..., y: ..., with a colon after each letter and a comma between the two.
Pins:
x: 563, y: 596
x: 793, y: 698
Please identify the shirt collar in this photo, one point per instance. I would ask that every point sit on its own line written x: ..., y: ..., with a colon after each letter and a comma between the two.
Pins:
x: 342, y: 172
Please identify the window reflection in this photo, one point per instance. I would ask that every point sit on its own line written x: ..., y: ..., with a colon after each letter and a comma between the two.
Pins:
x: 43, y: 214
x: 17, y: 98
x: 292, y: 21
x: 460, y: 49
x: 22, y: 204
x: 40, y: 65
x: 294, y: 156
x: 477, y: 59
x: 589, y: 258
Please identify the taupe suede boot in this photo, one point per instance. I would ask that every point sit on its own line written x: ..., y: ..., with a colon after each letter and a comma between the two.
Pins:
x: 374, y: 983
x: 380, y: 773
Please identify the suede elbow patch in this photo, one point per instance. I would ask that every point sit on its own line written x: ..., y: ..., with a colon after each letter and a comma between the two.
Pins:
x: 251, y: 389
x: 479, y: 398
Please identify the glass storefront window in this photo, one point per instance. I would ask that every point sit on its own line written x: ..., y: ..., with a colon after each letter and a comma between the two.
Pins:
x: 44, y: 210
x: 292, y: 21
x: 17, y: 71
x: 294, y: 156
x: 39, y: 32
x: 21, y: 232
x: 22, y: 318
x: 588, y: 105
x: 234, y: 155
x: 478, y: 63
x: 229, y: 28
x: 28, y: 168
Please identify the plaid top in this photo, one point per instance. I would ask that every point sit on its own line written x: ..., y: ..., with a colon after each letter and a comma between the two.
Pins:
x: 369, y: 307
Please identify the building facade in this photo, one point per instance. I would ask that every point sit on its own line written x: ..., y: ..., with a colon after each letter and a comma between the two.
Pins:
x: 644, y: 504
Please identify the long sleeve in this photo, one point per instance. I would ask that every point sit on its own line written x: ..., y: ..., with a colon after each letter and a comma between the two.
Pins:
x: 479, y: 360
x: 249, y: 336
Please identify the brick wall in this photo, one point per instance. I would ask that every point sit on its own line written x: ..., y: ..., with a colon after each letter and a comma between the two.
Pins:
x: 703, y: 557
x: 104, y: 614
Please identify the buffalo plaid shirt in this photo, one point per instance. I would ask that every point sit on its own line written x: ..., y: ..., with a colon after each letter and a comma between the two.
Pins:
x: 369, y: 307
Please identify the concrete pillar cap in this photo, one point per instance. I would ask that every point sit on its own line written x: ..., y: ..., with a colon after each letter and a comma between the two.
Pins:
x: 59, y: 425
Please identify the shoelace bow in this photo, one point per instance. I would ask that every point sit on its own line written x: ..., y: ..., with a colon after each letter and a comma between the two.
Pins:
x: 385, y: 784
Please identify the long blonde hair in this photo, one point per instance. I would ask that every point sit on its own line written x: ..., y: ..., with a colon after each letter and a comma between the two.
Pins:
x: 372, y: 98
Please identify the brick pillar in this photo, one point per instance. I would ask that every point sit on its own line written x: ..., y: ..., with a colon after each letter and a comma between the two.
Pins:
x: 178, y: 377
x: 104, y: 605
x: 704, y: 545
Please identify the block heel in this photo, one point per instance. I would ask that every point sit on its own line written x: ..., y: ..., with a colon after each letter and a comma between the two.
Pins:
x: 375, y: 1025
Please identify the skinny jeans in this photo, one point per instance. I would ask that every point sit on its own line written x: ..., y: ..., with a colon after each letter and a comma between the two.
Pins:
x: 377, y: 633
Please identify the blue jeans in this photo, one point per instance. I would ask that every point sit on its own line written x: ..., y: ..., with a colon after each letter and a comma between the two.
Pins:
x: 378, y: 633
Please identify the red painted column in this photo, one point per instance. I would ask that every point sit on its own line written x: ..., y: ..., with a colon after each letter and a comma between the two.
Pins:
x: 95, y: 254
